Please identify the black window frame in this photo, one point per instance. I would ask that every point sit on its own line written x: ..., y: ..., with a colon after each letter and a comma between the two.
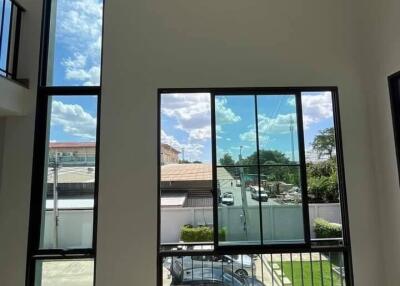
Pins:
x: 301, y: 164
x: 44, y: 93
x: 310, y: 245
x: 394, y: 93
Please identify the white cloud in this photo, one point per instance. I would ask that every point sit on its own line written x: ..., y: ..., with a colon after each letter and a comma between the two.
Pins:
x: 200, y: 133
x: 224, y: 114
x: 74, y: 120
x: 269, y: 126
x: 316, y: 107
x: 193, y: 151
x: 279, y: 125
x: 79, y: 30
x: 248, y: 135
x: 192, y: 111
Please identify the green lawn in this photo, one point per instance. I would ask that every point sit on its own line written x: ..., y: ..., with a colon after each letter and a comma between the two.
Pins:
x: 316, y: 274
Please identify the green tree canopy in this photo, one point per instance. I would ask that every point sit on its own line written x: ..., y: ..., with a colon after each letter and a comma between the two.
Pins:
x: 266, y: 157
x: 227, y: 160
x: 324, y: 143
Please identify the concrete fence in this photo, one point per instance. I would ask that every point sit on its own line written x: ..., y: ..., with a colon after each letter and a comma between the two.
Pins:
x: 280, y: 222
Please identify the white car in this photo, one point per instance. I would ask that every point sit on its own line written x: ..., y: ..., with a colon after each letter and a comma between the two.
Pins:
x: 227, y: 199
x: 238, y: 183
x: 257, y: 193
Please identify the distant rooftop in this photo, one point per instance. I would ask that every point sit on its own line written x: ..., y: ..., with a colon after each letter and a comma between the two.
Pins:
x: 73, y: 145
x: 186, y: 172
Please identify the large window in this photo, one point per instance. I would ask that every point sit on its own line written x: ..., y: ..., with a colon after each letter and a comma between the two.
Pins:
x: 257, y: 160
x: 62, y: 232
x: 262, y: 201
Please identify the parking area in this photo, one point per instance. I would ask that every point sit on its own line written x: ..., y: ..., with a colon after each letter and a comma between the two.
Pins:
x: 229, y: 184
x: 287, y: 269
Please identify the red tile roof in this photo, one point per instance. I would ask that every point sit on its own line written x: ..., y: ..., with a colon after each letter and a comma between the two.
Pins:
x: 73, y: 145
x: 186, y: 172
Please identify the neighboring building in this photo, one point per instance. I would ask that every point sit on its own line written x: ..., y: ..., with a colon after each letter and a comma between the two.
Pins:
x: 73, y: 148
x: 73, y: 153
x: 186, y: 185
x: 169, y: 155
x: 75, y: 169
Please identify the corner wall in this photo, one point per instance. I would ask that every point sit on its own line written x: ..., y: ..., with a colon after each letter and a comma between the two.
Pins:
x: 379, y: 46
x: 15, y: 184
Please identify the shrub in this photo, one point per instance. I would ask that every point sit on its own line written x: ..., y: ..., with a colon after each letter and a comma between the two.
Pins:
x: 200, y: 234
x: 325, y: 229
x: 196, y: 234
x: 323, y: 189
x: 222, y: 234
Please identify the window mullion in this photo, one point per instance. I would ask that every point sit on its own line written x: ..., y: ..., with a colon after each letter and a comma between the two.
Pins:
x: 258, y: 170
x: 214, y: 170
x: 303, y: 169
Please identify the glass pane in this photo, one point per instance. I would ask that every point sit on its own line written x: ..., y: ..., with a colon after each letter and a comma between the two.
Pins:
x: 238, y: 206
x: 235, y: 130
x: 5, y: 34
x: 65, y: 273
x: 75, y: 43
x: 70, y: 173
x: 186, y: 171
x: 282, y: 213
x: 277, y: 129
x: 316, y: 268
x: 322, y: 180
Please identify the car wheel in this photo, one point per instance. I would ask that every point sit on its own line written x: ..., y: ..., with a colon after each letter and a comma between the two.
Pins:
x: 242, y: 273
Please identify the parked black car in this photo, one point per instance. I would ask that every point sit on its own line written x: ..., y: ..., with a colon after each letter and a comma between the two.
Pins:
x: 209, y: 276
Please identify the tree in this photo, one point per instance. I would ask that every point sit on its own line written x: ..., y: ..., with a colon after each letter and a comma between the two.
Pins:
x: 324, y: 143
x: 266, y: 157
x: 227, y: 160
x: 322, y: 182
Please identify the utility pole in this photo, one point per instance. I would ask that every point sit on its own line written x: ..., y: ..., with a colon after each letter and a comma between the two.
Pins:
x: 183, y: 154
x: 55, y: 199
x: 244, y: 217
x: 240, y: 153
x: 291, y: 127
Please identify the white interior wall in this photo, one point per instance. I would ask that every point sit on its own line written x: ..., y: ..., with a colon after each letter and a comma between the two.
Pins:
x: 14, y: 99
x: 2, y: 131
x: 380, y: 57
x: 152, y: 44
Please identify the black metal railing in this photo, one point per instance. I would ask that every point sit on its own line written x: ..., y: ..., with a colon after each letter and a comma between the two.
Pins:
x: 277, y: 269
x: 10, y: 28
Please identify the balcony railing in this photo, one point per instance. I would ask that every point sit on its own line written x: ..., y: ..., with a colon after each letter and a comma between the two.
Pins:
x: 10, y: 28
x: 277, y: 269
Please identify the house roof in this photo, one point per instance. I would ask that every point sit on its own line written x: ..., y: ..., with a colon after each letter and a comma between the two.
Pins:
x: 186, y: 172
x: 72, y: 145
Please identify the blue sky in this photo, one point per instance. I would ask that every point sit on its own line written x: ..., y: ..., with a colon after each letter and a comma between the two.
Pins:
x: 76, y: 62
x: 185, y: 118
x: 186, y: 123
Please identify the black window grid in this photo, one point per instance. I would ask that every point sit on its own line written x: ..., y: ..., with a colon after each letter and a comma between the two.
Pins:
x: 44, y: 93
x: 341, y: 245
